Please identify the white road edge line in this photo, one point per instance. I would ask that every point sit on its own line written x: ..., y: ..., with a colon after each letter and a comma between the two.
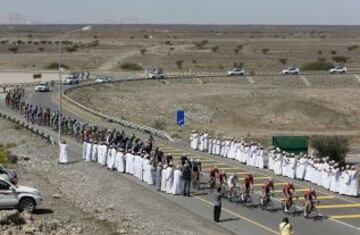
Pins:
x: 305, y: 80
x: 357, y: 77
x: 345, y: 224
x: 250, y: 79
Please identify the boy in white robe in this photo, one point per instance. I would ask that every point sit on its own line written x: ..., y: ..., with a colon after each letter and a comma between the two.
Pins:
x: 88, y: 151
x: 84, y: 147
x: 63, y: 153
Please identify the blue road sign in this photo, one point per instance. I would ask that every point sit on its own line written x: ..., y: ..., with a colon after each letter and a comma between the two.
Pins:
x: 180, y: 117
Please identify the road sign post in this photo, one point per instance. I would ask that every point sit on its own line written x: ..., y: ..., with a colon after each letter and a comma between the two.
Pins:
x: 180, y: 117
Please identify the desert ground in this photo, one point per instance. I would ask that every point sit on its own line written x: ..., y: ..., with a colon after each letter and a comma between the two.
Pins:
x: 179, y: 47
x: 235, y: 107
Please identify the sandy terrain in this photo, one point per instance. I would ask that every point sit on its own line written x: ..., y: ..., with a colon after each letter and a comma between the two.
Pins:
x: 257, y: 48
x: 234, y: 107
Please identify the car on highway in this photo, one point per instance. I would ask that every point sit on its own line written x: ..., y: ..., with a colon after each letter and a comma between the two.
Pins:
x: 103, y: 79
x: 338, y: 70
x: 291, y: 71
x: 42, y: 87
x: 156, y: 74
x: 236, y: 72
x: 72, y: 79
x: 18, y: 197
x: 9, y: 175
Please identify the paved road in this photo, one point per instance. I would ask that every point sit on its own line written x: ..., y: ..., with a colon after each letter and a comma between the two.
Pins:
x: 341, y: 214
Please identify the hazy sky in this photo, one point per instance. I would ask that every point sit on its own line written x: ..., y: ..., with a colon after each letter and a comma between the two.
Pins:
x: 186, y: 11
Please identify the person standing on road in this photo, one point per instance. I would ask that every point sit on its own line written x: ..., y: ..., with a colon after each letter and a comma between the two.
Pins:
x: 285, y: 227
x: 217, y: 204
x: 187, y: 179
x: 63, y: 154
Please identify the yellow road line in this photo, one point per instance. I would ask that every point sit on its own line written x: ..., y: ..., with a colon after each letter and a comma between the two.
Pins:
x: 240, y: 216
x: 297, y: 190
x: 280, y: 183
x: 319, y: 198
x: 258, y: 178
x: 338, y: 206
x: 212, y: 164
x: 351, y: 216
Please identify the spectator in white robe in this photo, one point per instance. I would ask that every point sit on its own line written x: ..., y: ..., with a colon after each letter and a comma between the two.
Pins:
x: 206, y: 142
x: 148, y: 171
x: 345, y: 181
x: 201, y: 142
x: 218, y: 146
x: 129, y: 162
x: 271, y: 155
x: 84, y: 147
x: 63, y: 153
x: 278, y: 164
x: 88, y: 151
x: 325, y: 174
x: 169, y: 177
x: 309, y: 169
x: 120, y: 161
x: 111, y: 157
x: 285, y: 164
x: 194, y: 140
x: 292, y: 166
x: 177, y: 183
x: 94, y: 152
x: 137, y: 166
x: 354, y: 181
x: 163, y: 178
x: 246, y: 154
x: 210, y: 147
x: 334, y: 178
x: 300, y: 167
x: 260, y: 159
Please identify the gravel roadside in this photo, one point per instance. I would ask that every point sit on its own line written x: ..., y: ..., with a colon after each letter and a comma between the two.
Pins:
x: 94, y: 200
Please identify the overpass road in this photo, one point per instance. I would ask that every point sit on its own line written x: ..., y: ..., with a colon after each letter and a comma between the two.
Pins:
x: 340, y: 215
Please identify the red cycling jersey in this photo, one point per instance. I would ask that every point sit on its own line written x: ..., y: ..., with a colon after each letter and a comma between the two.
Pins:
x: 309, y: 195
x: 287, y: 189
x: 221, y: 176
x: 267, y: 186
x: 213, y: 172
x: 248, y: 180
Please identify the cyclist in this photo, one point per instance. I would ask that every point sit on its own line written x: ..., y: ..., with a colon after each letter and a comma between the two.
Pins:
x: 212, y: 176
x: 289, y: 192
x: 309, y: 197
x: 232, y: 182
x: 196, y: 172
x: 248, y: 184
x: 268, y: 188
x: 221, y: 178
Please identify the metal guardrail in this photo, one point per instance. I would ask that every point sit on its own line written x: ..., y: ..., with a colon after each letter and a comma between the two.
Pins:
x: 28, y: 126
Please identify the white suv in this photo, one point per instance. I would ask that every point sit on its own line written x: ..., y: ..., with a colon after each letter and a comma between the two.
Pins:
x: 18, y: 197
x: 42, y: 87
x: 338, y: 70
x: 291, y: 71
x: 156, y: 74
x: 236, y: 72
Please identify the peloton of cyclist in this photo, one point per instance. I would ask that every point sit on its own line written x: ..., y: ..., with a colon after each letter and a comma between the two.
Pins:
x: 310, y: 197
x: 289, y: 192
x: 221, y: 178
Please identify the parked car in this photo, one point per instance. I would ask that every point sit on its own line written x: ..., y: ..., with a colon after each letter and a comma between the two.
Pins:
x: 42, y: 87
x: 9, y: 175
x: 156, y: 74
x: 18, y: 197
x: 103, y: 79
x: 338, y: 70
x: 291, y: 71
x: 236, y: 72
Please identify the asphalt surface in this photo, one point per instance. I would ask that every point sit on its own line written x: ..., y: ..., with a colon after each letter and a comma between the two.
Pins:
x: 339, y: 215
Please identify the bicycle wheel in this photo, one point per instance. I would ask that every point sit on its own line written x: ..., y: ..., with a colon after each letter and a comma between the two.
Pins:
x: 270, y: 205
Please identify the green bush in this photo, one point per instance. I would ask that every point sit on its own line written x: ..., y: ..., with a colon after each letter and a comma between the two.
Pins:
x: 14, y: 49
x: 317, y: 65
x: 159, y: 124
x: 340, y: 59
x: 55, y: 65
x: 71, y: 49
x: 215, y: 48
x: 131, y: 67
x: 179, y: 64
x: 143, y: 51
x: 353, y: 47
x: 283, y: 60
x: 265, y: 51
x: 334, y: 147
